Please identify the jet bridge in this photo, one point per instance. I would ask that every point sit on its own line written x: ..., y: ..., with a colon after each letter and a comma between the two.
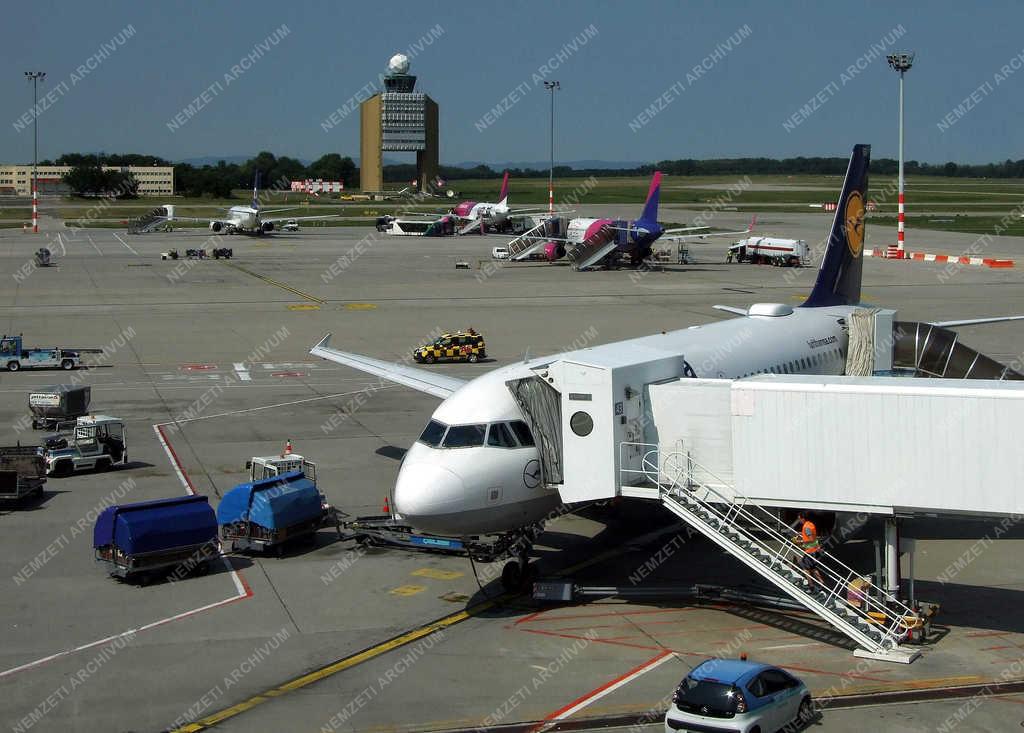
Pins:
x: 719, y: 453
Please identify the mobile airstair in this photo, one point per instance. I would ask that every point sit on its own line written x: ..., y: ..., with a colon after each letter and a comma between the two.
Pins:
x: 533, y: 240
x: 593, y: 249
x: 876, y: 621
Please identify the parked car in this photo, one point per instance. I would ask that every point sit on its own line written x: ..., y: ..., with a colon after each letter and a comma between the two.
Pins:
x: 499, y: 253
x: 737, y: 695
x: 291, y: 226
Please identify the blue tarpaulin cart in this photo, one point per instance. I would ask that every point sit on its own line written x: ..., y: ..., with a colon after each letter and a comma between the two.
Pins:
x: 132, y: 539
x: 264, y: 514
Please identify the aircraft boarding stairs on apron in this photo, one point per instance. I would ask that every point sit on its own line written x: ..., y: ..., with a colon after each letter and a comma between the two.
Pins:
x: 593, y: 249
x: 533, y: 240
x: 877, y: 622
x: 148, y: 221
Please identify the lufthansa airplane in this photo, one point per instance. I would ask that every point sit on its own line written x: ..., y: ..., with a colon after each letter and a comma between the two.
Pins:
x: 470, y: 472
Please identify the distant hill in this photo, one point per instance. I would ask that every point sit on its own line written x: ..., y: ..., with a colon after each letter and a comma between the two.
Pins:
x: 535, y: 165
x: 543, y: 164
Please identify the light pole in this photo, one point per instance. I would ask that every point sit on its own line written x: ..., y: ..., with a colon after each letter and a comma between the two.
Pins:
x: 36, y: 77
x: 551, y: 86
x: 901, y: 62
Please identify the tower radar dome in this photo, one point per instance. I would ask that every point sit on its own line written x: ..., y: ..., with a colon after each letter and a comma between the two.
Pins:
x: 399, y: 64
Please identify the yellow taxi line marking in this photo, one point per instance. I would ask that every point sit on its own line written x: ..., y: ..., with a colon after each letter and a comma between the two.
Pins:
x: 341, y: 665
x: 360, y: 306
x: 303, y: 307
x: 407, y: 590
x: 276, y: 283
x: 437, y: 574
x: 384, y: 647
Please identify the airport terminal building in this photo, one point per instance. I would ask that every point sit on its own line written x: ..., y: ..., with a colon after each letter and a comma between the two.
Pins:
x: 154, y: 180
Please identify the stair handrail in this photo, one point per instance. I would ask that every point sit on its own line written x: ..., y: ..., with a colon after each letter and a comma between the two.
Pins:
x: 871, y: 605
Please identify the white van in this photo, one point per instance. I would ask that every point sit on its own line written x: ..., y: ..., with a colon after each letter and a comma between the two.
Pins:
x: 499, y: 253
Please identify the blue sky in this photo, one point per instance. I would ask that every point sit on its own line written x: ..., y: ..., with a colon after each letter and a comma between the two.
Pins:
x: 492, y: 55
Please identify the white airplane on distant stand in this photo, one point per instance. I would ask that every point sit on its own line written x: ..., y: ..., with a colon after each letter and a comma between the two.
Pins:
x: 476, y: 467
x: 482, y: 215
x: 244, y: 219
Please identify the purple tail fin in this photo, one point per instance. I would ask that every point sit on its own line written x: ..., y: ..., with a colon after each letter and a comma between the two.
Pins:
x: 650, y: 212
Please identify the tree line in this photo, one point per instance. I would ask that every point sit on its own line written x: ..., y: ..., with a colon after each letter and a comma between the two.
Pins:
x: 220, y: 179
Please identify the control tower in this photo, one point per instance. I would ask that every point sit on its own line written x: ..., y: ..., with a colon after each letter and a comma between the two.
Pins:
x: 398, y: 119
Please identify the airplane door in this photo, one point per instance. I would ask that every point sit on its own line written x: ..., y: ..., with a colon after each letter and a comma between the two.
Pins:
x: 542, y: 405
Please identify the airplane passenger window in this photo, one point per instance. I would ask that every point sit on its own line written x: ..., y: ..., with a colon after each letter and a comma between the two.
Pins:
x: 464, y: 436
x: 499, y: 436
x: 433, y: 433
x: 522, y: 431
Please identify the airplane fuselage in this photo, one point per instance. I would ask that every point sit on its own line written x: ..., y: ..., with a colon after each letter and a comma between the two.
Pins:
x: 479, y: 488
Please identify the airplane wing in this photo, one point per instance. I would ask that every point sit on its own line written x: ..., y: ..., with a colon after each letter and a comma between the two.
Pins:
x: 421, y: 380
x: 748, y: 230
x: 975, y: 321
x: 298, y: 218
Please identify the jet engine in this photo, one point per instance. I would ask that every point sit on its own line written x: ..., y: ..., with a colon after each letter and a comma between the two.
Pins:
x: 216, y: 226
x: 267, y: 226
x: 554, y: 251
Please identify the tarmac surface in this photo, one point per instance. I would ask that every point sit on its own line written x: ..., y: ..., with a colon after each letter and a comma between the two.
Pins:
x: 207, y: 362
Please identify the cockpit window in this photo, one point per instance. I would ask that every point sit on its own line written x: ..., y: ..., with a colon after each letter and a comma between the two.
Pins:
x: 464, y: 436
x: 499, y: 436
x: 433, y: 433
x: 522, y: 432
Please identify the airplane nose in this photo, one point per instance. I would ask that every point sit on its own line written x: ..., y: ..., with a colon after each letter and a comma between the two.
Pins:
x: 425, y: 492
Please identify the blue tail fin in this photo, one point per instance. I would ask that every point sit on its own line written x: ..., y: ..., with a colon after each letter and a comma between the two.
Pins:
x: 256, y: 191
x: 650, y: 212
x: 839, y: 277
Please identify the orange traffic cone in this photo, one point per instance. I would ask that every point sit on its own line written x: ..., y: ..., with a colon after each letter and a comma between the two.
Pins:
x: 287, y: 448
x: 387, y: 507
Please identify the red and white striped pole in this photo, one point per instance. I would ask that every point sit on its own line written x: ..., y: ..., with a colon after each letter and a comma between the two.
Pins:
x: 899, y: 224
x: 35, y: 208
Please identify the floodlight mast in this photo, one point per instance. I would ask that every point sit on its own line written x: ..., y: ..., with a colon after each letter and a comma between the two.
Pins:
x: 900, y: 61
x: 35, y: 77
x: 551, y: 86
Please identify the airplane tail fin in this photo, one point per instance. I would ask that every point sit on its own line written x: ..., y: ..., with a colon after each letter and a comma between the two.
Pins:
x: 256, y: 191
x: 839, y: 277
x: 503, y: 194
x: 650, y: 212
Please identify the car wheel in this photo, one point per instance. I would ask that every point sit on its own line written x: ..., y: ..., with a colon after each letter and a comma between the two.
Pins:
x: 102, y: 464
x: 67, y: 365
x: 429, y: 359
x: 473, y: 358
x: 806, y: 712
x: 63, y: 468
x: 13, y: 366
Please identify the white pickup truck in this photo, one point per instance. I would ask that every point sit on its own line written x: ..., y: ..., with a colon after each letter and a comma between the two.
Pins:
x: 499, y: 253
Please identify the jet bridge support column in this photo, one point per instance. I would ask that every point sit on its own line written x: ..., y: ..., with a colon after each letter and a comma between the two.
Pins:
x: 892, y: 557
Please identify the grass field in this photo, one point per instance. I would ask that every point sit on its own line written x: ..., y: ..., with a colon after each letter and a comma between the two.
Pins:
x: 936, y: 199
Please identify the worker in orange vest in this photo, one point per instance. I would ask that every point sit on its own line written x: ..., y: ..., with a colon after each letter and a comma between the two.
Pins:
x: 808, y: 540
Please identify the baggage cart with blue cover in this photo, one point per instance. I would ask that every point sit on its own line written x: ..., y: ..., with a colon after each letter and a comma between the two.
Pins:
x: 132, y: 539
x: 265, y: 513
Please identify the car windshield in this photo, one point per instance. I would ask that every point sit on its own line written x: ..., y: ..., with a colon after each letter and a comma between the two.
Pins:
x: 715, y: 696
x: 464, y: 436
x: 433, y: 433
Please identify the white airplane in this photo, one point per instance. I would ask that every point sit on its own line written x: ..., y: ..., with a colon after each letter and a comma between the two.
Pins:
x: 479, y: 215
x: 244, y: 219
x: 476, y: 468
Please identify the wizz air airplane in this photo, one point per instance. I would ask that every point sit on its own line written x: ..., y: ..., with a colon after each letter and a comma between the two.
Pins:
x: 244, y: 219
x: 475, y: 469
x: 591, y: 240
